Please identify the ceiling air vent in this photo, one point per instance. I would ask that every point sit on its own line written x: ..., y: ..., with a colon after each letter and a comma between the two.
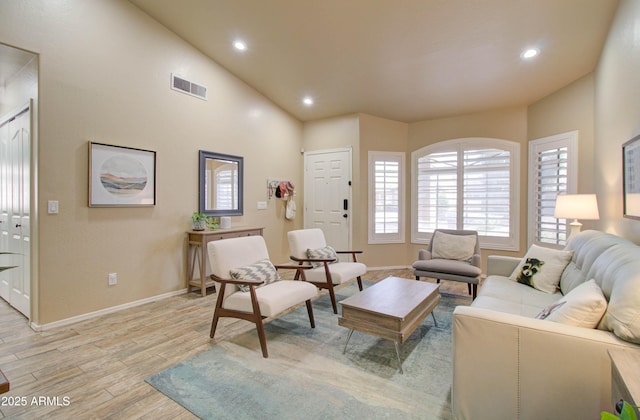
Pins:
x: 183, y: 85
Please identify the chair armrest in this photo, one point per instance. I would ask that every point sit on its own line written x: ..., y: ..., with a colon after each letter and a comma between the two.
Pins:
x: 248, y: 282
x: 312, y: 260
x: 353, y: 254
x: 501, y: 265
x: 293, y: 267
x: 476, y: 260
x: 423, y: 254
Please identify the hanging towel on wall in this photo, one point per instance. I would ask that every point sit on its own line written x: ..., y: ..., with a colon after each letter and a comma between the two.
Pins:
x: 290, y: 211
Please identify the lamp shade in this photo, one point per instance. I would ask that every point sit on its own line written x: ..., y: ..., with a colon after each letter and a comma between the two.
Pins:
x: 577, y: 206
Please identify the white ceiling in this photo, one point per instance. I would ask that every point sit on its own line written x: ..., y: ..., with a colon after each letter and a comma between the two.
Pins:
x: 407, y: 60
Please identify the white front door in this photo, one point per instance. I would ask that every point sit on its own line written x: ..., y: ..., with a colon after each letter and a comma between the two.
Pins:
x: 327, y: 197
x: 15, y: 227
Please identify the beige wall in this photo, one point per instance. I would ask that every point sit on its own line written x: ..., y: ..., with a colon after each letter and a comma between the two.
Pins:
x: 379, y: 134
x: 507, y: 124
x: 617, y: 119
x: 104, y: 76
x: 570, y: 108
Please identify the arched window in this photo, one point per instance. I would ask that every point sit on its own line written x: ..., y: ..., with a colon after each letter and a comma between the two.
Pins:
x: 470, y: 183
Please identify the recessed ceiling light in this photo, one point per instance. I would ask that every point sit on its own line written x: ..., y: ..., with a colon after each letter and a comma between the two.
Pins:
x: 530, y: 53
x: 307, y: 100
x: 240, y: 45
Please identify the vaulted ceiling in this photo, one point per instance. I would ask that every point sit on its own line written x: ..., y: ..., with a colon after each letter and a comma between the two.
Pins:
x: 406, y: 60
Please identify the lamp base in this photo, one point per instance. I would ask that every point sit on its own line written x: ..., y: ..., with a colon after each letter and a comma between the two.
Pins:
x: 575, y: 229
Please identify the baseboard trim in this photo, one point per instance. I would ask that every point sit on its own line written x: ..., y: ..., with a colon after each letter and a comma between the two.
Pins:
x: 90, y: 315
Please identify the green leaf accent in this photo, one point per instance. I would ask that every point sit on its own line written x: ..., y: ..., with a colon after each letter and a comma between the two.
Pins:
x: 628, y: 413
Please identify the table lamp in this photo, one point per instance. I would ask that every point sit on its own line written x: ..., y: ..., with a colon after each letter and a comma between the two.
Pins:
x: 576, y: 206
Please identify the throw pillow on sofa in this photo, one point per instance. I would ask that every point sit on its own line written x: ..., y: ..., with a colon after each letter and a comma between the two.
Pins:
x: 453, y: 247
x: 541, y: 268
x: 262, y: 270
x: 581, y: 307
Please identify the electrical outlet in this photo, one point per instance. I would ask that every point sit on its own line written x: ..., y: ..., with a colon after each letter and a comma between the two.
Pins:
x: 262, y: 205
x: 113, y: 279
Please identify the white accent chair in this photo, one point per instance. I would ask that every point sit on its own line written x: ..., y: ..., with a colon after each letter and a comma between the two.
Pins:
x: 328, y: 272
x: 260, y: 304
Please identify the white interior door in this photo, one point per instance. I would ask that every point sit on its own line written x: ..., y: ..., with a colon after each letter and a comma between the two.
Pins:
x: 327, y: 197
x: 15, y: 226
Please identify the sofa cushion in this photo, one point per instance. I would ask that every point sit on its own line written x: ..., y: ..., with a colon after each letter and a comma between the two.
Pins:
x: 504, y: 289
x: 506, y: 306
x: 582, y: 307
x: 341, y: 272
x: 262, y: 270
x: 274, y: 298
x: 447, y: 266
x: 541, y: 268
x: 453, y: 247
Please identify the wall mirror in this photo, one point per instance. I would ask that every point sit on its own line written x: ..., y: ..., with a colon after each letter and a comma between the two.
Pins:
x: 221, y: 182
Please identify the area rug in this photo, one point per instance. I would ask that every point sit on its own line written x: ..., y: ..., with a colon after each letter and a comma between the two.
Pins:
x: 307, y: 375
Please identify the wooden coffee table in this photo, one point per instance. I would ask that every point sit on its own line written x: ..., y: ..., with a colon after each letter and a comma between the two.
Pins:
x: 392, y: 309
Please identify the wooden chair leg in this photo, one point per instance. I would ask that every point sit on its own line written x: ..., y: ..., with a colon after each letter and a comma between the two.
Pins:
x: 257, y: 319
x: 214, y: 322
x: 332, y: 295
x: 475, y: 292
x: 310, y: 312
x: 263, y: 339
x: 359, y: 283
x: 469, y: 287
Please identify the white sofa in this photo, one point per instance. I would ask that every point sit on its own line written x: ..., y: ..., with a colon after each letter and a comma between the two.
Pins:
x: 509, y: 365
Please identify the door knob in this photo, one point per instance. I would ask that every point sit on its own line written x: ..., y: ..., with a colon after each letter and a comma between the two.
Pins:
x: 18, y: 225
x: 345, y: 215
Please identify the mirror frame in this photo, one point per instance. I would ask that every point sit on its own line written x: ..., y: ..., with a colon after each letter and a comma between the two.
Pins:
x: 203, y: 156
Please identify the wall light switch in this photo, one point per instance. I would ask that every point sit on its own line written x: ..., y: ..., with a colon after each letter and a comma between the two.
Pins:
x: 262, y: 205
x: 52, y: 206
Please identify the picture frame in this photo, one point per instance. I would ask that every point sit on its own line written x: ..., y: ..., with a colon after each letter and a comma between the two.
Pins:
x: 631, y: 178
x: 121, y: 176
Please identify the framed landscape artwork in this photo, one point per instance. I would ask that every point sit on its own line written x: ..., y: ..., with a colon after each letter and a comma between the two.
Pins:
x: 121, y: 176
x: 631, y: 178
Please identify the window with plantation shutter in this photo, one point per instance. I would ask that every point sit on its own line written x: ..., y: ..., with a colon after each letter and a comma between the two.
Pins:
x: 486, y: 188
x: 386, y: 197
x: 552, y: 171
x: 469, y: 184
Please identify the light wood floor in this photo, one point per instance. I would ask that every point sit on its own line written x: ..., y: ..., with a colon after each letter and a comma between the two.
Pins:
x: 96, y: 368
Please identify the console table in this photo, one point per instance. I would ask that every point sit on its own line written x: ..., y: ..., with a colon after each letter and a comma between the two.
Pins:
x: 197, y: 251
x: 625, y: 384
